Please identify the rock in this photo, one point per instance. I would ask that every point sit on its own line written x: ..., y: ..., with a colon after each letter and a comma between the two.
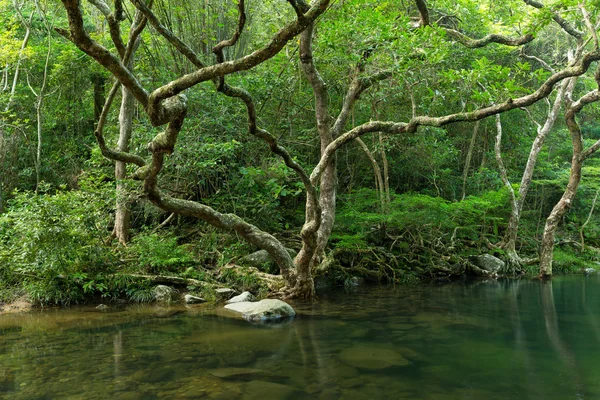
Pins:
x: 21, y: 305
x: 165, y: 294
x: 589, y: 271
x: 102, y: 307
x: 234, y: 373
x: 488, y: 262
x: 189, y: 299
x: 267, y: 310
x: 245, y: 296
x: 130, y: 396
x: 262, y: 260
x: 372, y: 358
x: 259, y: 390
x: 223, y: 294
x: 330, y: 394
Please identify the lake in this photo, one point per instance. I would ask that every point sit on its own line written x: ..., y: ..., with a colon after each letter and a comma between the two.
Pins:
x: 482, y: 340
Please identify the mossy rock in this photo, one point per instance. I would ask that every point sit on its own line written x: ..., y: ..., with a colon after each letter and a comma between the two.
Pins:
x: 263, y: 261
x: 372, y: 358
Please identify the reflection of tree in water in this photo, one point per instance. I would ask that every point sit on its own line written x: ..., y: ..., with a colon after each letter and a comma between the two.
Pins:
x: 566, y: 356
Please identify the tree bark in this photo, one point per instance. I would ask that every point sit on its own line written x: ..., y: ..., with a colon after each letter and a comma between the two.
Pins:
x: 579, y: 156
x: 40, y: 101
x: 13, y: 89
x: 386, y: 174
x: 377, y: 171
x: 559, y: 210
x: 510, y: 236
x: 313, y: 246
x: 468, y: 158
x: 123, y: 212
x: 587, y: 221
x: 512, y: 258
x: 98, y: 81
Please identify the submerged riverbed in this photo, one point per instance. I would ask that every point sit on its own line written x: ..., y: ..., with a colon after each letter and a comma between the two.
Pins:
x: 485, y: 340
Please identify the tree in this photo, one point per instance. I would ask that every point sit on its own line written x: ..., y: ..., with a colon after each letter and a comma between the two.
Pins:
x: 370, y: 62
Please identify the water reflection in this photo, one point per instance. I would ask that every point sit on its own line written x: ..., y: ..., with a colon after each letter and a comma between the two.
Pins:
x: 488, y: 340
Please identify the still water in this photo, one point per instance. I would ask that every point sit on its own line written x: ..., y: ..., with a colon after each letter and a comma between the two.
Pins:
x: 485, y: 340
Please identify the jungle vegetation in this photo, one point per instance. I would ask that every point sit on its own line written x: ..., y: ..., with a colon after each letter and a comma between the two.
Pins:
x: 388, y: 141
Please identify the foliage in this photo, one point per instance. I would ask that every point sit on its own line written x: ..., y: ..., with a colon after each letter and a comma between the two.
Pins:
x: 418, y: 213
x: 568, y: 260
x: 55, y: 242
x: 243, y: 279
x: 160, y: 254
x: 48, y: 240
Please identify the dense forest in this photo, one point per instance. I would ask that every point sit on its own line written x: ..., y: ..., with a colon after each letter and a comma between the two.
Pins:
x: 275, y: 146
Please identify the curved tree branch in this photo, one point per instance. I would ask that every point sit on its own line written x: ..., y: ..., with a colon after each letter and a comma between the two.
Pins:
x: 116, y: 155
x: 168, y: 35
x: 567, y: 27
x: 113, y: 25
x: 537, y: 59
x: 393, y: 127
x: 491, y: 38
x: 218, y: 49
x: 82, y: 40
x: 277, y: 42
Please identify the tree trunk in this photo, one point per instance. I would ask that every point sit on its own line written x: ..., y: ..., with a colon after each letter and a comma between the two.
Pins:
x: 386, y: 174
x: 13, y: 89
x: 377, y: 171
x: 468, y: 159
x: 587, y: 221
x: 40, y: 102
x: 123, y: 212
x: 510, y: 235
x: 512, y: 258
x: 559, y: 210
x: 98, y: 81
x: 315, y: 241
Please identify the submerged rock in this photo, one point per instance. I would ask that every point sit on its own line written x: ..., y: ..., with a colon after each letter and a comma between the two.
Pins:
x: 165, y: 294
x: 245, y: 296
x: 16, y: 307
x: 223, y: 294
x: 488, y: 262
x: 373, y: 358
x: 260, y: 390
x: 233, y: 373
x: 267, y: 310
x: 189, y: 299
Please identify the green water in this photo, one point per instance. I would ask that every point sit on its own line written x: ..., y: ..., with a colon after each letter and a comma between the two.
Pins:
x: 488, y: 340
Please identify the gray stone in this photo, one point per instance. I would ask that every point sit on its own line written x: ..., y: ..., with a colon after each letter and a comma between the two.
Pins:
x: 165, y: 294
x: 189, y: 299
x: 245, y: 296
x: 223, y: 294
x: 488, y: 262
x: 266, y: 310
x: 262, y: 260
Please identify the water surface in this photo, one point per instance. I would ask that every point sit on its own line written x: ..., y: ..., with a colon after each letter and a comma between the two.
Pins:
x: 485, y: 340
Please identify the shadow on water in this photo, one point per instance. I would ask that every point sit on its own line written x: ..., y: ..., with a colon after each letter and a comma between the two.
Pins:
x: 483, y: 340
